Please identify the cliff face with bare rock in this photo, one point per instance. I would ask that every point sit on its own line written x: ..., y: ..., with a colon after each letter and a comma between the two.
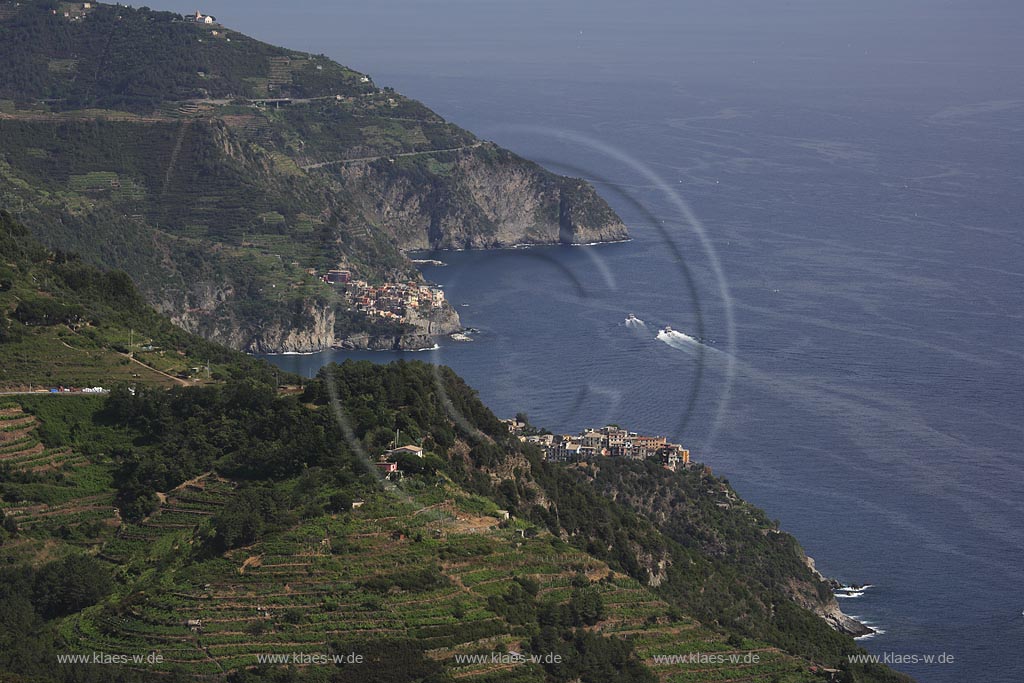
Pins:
x: 226, y: 176
x: 420, y: 333
x: 483, y: 197
x: 828, y: 607
x: 314, y: 327
x: 306, y: 330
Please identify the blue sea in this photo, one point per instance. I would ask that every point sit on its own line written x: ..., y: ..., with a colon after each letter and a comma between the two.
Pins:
x: 826, y: 203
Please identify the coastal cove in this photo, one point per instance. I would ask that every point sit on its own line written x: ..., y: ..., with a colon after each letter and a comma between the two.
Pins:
x: 870, y: 393
x: 769, y: 442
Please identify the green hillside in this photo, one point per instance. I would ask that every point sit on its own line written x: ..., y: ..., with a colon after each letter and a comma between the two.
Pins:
x: 91, y: 59
x: 66, y: 323
x: 226, y: 175
x: 222, y: 525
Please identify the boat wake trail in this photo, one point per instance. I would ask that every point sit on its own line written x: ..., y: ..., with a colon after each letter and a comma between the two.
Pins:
x: 678, y: 340
x: 635, y: 323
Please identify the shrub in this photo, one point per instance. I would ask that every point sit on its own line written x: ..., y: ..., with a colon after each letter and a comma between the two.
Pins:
x: 47, y: 312
x: 420, y: 579
x: 293, y: 615
x: 69, y: 585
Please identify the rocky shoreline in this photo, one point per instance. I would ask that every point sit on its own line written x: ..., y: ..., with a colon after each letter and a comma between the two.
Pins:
x: 405, y: 342
x: 426, y: 329
x: 830, y: 611
x: 524, y: 209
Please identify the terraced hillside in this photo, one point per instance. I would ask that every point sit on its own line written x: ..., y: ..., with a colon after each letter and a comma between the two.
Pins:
x: 433, y: 566
x: 20, y: 448
x: 55, y: 497
x: 233, y: 531
x: 219, y: 171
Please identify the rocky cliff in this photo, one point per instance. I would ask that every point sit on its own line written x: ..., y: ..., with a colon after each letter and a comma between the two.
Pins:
x: 311, y: 327
x: 481, y: 197
x: 827, y: 607
x: 420, y: 333
x: 306, y: 330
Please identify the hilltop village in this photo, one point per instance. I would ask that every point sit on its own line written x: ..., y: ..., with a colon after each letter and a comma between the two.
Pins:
x: 390, y: 300
x: 610, y: 442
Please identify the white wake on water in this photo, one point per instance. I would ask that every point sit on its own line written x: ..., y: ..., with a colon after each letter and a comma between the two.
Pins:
x: 678, y: 340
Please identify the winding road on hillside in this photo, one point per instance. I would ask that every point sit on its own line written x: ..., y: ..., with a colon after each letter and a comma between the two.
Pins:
x: 354, y: 160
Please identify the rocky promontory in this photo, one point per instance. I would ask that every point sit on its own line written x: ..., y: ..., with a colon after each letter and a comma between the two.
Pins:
x: 421, y: 333
x: 828, y: 607
x: 487, y: 197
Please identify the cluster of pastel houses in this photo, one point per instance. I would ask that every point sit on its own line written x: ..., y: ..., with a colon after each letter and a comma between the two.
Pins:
x: 608, y: 442
x: 393, y: 299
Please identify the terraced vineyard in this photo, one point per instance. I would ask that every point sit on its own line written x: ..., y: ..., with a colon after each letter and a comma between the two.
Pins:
x: 287, y: 546
x: 79, y: 505
x: 420, y: 565
x: 425, y: 561
x: 180, y: 512
x: 21, y: 450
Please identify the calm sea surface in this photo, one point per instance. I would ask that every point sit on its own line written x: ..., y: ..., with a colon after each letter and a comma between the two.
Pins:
x: 848, y: 280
